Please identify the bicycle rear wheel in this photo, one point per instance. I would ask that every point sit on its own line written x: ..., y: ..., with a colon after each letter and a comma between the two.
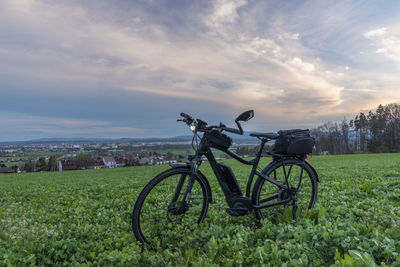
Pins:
x: 160, y: 212
x: 300, y: 178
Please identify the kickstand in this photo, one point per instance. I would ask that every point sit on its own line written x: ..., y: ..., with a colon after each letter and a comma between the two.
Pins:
x: 294, y: 208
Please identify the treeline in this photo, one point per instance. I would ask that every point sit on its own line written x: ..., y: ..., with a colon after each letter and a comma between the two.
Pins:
x: 376, y: 131
x: 40, y: 165
x: 250, y: 150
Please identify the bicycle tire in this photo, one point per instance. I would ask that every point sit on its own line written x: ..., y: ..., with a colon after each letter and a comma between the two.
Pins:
x: 151, y: 218
x: 308, y: 187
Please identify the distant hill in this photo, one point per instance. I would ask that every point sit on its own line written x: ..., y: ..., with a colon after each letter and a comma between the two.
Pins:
x: 184, y: 138
x: 98, y: 140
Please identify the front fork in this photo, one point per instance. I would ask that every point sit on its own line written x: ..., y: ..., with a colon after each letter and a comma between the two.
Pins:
x: 195, y: 164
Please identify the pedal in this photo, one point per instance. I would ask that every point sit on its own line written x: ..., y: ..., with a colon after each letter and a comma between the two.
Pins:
x: 237, y: 212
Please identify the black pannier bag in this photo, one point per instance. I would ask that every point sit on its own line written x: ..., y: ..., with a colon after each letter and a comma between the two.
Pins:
x: 218, y: 140
x: 294, y: 142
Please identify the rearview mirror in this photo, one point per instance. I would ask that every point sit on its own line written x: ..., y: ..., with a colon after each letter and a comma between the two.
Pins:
x: 245, y: 116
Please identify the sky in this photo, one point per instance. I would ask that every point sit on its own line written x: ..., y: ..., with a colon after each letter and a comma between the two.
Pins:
x: 127, y: 68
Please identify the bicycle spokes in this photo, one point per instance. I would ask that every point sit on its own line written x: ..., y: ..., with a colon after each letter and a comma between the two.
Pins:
x: 167, y: 208
x: 298, y: 188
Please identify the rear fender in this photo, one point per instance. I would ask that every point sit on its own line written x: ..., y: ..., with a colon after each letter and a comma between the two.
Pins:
x: 179, y: 165
x: 200, y: 175
x: 307, y: 163
x: 312, y: 168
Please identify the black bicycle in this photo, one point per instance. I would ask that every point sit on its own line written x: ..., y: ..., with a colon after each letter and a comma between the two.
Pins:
x: 178, y: 198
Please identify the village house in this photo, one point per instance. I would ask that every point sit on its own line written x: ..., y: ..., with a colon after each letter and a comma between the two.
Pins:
x: 6, y: 170
x: 99, y: 164
x: 67, y: 164
x: 159, y: 160
x: 121, y: 161
x: 109, y: 162
x: 144, y: 161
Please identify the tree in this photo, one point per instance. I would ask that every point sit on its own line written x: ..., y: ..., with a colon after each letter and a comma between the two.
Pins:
x: 345, y: 134
x: 378, y: 131
x: 361, y: 127
x: 14, y: 168
x: 392, y: 130
x: 41, y: 164
x: 169, y: 156
x: 132, y: 161
x: 52, y: 164
x: 243, y: 150
x: 29, y: 166
x: 84, y: 160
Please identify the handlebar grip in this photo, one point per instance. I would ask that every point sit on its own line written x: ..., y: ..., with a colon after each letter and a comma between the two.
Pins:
x: 186, y: 116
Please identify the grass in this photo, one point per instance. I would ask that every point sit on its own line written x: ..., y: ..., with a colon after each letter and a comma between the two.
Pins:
x: 83, y: 217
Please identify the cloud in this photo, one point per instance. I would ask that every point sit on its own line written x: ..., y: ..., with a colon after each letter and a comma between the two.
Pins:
x: 376, y: 33
x: 304, y: 66
x: 146, y: 58
x: 388, y: 43
x: 224, y: 12
x: 26, y: 127
x: 287, y: 63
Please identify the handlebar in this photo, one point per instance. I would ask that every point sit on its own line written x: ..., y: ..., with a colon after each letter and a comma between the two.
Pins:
x: 202, y: 125
x: 232, y: 130
x: 186, y: 116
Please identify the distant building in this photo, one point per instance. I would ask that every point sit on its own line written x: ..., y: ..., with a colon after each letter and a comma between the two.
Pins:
x: 6, y: 170
x: 67, y: 164
x: 99, y: 164
x: 166, y: 162
x: 156, y: 160
x: 109, y: 162
x: 121, y: 161
x: 144, y: 161
x: 21, y: 168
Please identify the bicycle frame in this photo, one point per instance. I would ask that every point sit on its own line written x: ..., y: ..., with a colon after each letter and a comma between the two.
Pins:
x: 205, y: 149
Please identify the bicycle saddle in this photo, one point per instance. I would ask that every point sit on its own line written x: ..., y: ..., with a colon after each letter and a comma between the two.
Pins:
x: 265, y: 135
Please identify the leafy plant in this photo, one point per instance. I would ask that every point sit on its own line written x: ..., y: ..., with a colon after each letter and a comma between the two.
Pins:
x: 83, y: 217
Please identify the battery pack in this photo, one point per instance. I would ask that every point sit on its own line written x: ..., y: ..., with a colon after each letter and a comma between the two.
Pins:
x: 229, y: 178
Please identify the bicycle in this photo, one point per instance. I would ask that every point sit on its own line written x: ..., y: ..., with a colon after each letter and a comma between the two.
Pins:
x: 178, y: 198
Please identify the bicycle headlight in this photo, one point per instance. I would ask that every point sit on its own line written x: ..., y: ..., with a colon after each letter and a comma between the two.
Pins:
x: 193, y: 127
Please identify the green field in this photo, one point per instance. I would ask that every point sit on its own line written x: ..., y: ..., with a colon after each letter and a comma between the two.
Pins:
x: 15, y: 163
x: 84, y: 217
x: 188, y: 151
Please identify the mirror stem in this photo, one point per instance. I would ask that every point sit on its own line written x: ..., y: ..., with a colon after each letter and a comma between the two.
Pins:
x: 240, y: 127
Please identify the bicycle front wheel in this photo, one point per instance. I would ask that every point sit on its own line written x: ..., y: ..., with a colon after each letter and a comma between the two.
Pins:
x: 161, y: 213
x: 299, y: 177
